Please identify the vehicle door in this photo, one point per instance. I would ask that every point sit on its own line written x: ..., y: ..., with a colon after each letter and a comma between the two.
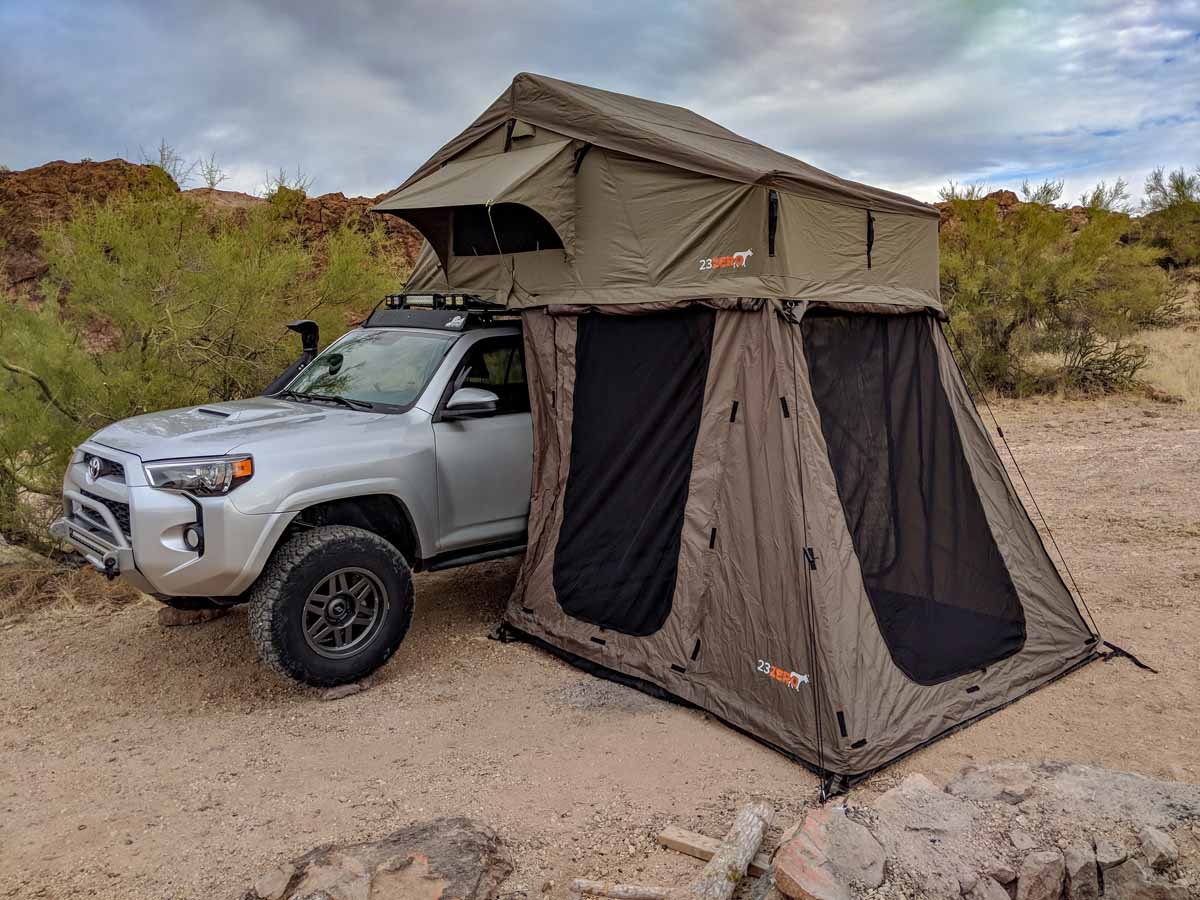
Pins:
x: 484, y: 465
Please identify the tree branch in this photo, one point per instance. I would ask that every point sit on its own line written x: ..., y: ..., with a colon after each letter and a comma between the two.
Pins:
x: 42, y: 386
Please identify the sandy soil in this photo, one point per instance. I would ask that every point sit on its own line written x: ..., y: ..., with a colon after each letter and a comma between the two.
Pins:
x: 137, y: 761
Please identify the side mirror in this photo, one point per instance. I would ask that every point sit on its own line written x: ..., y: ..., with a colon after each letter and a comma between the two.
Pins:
x: 471, y: 403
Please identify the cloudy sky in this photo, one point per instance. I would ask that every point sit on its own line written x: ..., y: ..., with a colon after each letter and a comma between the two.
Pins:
x: 356, y: 94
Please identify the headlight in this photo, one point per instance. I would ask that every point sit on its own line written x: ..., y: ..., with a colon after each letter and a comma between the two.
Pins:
x: 213, y: 476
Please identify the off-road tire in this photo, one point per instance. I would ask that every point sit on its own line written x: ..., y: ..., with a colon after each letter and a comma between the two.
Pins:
x: 191, y: 604
x: 278, y: 598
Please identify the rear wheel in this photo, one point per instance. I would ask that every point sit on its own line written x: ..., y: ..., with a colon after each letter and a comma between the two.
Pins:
x: 332, y: 605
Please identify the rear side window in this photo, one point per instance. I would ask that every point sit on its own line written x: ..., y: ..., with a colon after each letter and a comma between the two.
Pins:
x: 940, y: 590
x: 639, y: 392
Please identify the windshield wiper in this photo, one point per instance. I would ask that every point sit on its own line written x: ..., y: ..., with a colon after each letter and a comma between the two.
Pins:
x: 348, y: 402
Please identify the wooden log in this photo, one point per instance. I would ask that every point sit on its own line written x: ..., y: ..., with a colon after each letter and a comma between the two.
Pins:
x: 701, y: 846
x: 729, y: 863
x: 584, y: 886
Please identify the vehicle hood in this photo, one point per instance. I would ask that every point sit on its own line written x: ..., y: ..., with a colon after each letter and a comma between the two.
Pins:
x: 214, y: 429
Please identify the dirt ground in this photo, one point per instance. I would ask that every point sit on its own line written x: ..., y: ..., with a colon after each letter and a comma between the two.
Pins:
x: 137, y: 761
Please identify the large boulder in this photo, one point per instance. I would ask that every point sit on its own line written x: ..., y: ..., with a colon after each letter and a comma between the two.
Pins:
x: 827, y: 854
x: 931, y: 835
x: 1004, y: 783
x: 446, y: 859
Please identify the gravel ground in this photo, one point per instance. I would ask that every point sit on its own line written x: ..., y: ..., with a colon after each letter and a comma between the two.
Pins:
x: 137, y: 761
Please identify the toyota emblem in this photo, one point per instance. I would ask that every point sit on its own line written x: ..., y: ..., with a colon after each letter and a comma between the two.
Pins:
x: 93, y: 469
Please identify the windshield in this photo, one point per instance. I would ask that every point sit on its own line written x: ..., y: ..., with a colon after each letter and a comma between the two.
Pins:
x: 376, y: 366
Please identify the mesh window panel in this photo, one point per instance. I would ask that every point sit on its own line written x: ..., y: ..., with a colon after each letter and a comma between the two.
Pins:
x: 639, y: 391
x: 940, y: 590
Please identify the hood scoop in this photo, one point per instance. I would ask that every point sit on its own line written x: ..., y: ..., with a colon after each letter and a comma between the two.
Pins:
x: 212, y: 412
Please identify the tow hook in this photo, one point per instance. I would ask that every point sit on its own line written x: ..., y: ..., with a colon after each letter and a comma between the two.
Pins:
x: 110, y: 567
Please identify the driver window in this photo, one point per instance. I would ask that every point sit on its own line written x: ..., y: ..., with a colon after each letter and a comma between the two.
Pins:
x: 498, y: 366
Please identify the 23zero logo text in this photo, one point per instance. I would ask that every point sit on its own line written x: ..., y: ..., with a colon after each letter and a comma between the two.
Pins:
x: 791, y: 679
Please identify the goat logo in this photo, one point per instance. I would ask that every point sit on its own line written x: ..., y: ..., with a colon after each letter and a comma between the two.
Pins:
x: 738, y: 260
x: 783, y: 676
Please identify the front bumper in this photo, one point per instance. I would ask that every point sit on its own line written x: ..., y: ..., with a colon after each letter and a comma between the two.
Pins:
x: 124, y: 527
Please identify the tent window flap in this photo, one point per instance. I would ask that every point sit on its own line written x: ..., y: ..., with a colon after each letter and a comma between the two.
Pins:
x: 940, y: 590
x: 639, y: 391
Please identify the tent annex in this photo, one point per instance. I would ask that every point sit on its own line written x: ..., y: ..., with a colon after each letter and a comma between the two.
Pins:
x: 760, y: 484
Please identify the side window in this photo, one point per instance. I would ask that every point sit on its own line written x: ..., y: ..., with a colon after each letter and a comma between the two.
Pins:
x: 498, y: 366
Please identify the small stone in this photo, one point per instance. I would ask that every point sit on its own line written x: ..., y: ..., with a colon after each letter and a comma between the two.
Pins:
x: 1158, y: 848
x: 1002, y: 872
x: 1109, y: 854
x: 1083, y: 878
x: 169, y: 617
x: 342, y: 690
x: 987, y: 889
x: 1041, y: 876
x: 1129, y: 881
x: 1022, y: 840
x: 273, y: 884
x: 967, y: 881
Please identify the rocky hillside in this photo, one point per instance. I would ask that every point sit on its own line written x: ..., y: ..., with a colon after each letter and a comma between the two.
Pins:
x: 33, y: 198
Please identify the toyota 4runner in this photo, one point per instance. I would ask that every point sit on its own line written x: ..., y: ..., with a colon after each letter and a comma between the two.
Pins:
x: 405, y: 446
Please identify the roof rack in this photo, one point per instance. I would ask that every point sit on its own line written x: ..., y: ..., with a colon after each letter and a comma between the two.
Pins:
x: 446, y: 312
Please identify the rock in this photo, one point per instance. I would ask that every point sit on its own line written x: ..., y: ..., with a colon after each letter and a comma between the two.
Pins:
x: 1083, y: 877
x: 968, y: 881
x: 169, y: 617
x: 827, y: 853
x: 1109, y: 854
x: 802, y: 882
x: 1041, y: 876
x: 1022, y: 840
x: 1158, y: 848
x: 273, y: 884
x: 1129, y: 881
x: 930, y: 835
x: 987, y: 889
x: 1004, y: 782
x: 31, y: 199
x: 1001, y: 872
x: 453, y: 857
x: 343, y: 690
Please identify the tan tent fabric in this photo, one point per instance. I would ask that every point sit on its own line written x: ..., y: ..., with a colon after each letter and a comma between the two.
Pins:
x: 657, y: 198
x: 537, y: 177
x: 759, y: 484
x: 763, y: 485
x: 666, y: 134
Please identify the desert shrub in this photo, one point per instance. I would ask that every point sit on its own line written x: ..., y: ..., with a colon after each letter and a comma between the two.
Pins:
x: 155, y: 301
x: 1024, y: 282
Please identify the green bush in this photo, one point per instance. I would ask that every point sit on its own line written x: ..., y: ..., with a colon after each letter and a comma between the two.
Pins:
x: 156, y: 301
x: 1025, y: 283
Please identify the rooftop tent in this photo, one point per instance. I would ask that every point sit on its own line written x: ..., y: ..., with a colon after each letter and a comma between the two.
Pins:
x: 760, y: 484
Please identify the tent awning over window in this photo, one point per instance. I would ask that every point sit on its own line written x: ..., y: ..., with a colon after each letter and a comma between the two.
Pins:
x: 539, y: 178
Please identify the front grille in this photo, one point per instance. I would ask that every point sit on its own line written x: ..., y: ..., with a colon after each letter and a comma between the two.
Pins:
x: 108, y: 468
x: 119, y: 510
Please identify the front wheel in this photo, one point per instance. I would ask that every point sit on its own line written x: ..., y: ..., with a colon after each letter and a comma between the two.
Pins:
x: 332, y: 605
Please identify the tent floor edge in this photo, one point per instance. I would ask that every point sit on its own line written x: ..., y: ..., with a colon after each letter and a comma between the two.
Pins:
x: 838, y: 782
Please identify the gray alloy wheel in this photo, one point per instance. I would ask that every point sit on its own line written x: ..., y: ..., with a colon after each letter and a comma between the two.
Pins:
x: 344, y: 612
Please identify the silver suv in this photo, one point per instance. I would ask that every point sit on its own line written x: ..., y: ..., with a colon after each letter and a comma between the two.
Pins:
x: 405, y: 446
